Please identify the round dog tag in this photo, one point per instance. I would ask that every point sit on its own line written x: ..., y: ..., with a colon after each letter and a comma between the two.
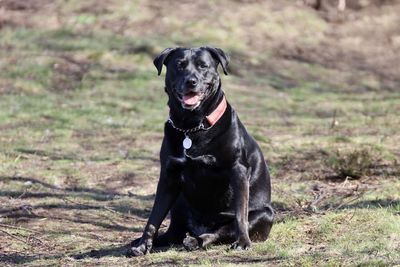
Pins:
x: 187, y: 143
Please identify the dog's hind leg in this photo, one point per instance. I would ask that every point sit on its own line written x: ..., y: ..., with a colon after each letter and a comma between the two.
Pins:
x: 170, y: 237
x: 260, y: 223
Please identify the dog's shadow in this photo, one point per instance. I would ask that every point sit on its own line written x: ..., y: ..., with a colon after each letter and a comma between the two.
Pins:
x: 112, y: 251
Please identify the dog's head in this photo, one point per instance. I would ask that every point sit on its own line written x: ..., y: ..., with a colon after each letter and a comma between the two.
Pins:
x: 192, y: 75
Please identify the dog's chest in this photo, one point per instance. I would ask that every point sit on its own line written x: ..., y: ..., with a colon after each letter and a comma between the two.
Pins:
x: 207, y: 190
x: 205, y: 183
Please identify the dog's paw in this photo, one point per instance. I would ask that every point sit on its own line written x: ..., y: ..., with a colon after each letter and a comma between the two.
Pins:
x: 135, y: 252
x: 190, y: 243
x: 140, y: 250
x: 241, y: 244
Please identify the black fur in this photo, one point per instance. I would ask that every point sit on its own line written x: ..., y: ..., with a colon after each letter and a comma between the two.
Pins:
x: 219, y: 190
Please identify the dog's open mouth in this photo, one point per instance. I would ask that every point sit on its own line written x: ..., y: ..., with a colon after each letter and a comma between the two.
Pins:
x: 191, y: 100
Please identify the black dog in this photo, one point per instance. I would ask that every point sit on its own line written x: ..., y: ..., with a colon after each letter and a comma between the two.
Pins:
x: 213, y: 179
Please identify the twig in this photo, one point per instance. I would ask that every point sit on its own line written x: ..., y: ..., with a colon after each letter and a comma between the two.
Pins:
x: 334, y: 121
x: 349, y: 201
x: 352, y: 215
x: 23, y: 194
x: 318, y: 198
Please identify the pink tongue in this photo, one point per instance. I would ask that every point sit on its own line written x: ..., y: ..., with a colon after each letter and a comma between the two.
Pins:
x: 190, y: 99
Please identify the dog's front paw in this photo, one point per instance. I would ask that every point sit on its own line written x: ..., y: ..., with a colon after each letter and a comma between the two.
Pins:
x: 241, y: 244
x: 139, y: 250
x: 190, y: 243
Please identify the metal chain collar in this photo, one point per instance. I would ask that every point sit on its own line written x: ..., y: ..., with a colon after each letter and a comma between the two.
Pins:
x: 192, y: 130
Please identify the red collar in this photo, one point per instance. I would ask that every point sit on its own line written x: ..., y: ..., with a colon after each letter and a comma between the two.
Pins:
x: 211, y: 119
x: 217, y: 113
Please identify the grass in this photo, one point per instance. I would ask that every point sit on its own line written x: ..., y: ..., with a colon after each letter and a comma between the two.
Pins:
x: 81, y: 123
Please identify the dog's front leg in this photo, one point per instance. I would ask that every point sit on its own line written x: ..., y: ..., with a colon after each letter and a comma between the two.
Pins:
x: 166, y: 195
x: 240, y: 183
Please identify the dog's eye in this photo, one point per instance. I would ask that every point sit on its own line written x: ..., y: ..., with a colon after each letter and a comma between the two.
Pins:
x: 202, y: 65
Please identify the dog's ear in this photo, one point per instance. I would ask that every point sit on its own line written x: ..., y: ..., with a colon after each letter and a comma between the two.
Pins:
x: 161, y: 59
x: 220, y: 56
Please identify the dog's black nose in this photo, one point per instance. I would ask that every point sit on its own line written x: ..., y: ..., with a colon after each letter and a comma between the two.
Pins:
x: 191, y: 82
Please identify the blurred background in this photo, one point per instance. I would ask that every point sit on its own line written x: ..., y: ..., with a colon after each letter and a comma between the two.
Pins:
x: 82, y: 110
